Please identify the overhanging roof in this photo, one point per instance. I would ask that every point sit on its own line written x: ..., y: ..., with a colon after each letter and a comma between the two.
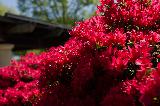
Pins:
x: 29, y: 33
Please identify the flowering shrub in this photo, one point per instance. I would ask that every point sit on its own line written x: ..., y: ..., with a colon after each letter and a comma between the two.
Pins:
x: 111, y: 59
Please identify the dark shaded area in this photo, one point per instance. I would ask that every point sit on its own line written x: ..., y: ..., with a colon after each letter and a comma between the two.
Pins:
x: 6, y: 82
x: 28, y: 33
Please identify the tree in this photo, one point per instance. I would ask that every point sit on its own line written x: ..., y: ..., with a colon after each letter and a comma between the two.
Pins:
x: 59, y: 11
x: 4, y: 9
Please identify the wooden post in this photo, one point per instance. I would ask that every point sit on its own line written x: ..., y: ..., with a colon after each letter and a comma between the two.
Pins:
x: 5, y: 54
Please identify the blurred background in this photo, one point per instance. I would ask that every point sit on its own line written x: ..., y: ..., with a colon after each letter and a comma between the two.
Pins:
x: 34, y: 25
x: 53, y: 11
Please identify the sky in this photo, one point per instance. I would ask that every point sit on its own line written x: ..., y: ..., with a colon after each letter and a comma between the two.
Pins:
x: 10, y: 3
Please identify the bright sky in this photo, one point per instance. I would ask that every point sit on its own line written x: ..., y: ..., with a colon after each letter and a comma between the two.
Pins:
x: 9, y: 3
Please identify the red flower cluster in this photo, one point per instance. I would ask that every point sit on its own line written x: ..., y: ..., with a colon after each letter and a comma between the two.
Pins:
x: 130, y: 13
x: 111, y: 59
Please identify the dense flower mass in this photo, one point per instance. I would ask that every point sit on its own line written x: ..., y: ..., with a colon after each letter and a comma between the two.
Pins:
x: 111, y: 59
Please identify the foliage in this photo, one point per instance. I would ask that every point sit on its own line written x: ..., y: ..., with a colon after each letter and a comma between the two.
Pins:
x: 4, y: 9
x: 57, y: 11
x: 111, y: 59
x: 23, y: 52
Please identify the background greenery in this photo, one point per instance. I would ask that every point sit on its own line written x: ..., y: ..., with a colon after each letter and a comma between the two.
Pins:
x: 4, y: 9
x: 53, y: 11
x: 58, y: 11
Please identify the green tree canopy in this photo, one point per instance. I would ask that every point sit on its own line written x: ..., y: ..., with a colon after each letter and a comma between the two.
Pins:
x: 57, y: 11
x: 4, y: 9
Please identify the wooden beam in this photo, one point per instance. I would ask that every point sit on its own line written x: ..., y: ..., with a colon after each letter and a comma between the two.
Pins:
x: 22, y: 28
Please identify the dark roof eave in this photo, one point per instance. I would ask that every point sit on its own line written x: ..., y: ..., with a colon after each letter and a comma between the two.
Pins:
x: 32, y: 20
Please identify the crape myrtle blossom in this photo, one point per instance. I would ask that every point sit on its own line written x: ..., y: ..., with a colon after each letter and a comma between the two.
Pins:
x: 111, y: 59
